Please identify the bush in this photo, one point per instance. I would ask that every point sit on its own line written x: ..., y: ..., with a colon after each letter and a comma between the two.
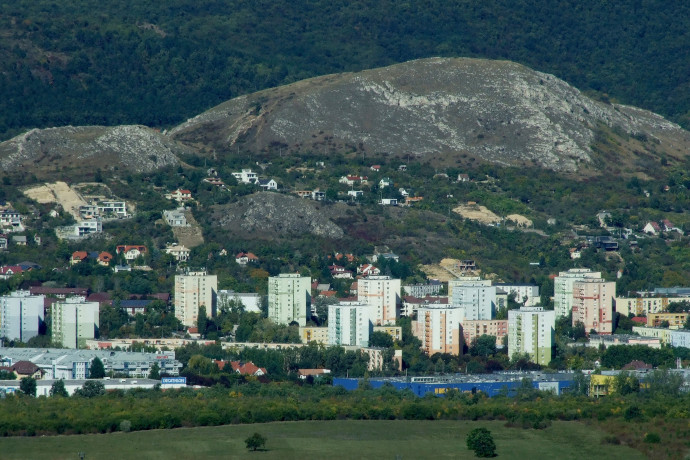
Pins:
x: 611, y: 439
x: 255, y: 441
x: 652, y: 438
x: 125, y: 426
x: 481, y: 442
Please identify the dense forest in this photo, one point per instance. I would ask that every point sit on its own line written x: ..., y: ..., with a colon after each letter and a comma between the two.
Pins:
x: 124, y: 61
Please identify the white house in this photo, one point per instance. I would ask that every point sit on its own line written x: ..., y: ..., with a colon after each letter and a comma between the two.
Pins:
x: 246, y: 176
x: 180, y: 253
x: 385, y: 182
x: 355, y: 193
x: 268, y: 184
x: 652, y: 228
x: 389, y: 201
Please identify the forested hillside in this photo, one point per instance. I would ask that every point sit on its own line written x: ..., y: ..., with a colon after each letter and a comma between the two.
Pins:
x: 126, y: 61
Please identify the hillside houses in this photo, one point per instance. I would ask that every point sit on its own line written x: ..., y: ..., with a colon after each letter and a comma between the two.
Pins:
x: 131, y: 252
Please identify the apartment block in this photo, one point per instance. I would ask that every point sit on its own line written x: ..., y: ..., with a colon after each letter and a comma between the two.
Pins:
x: 524, y: 293
x: 192, y: 291
x: 74, y: 321
x: 675, y: 320
x: 531, y: 331
x: 394, y: 331
x: 314, y: 334
x: 382, y: 294
x: 472, y: 330
x: 475, y: 296
x: 563, y: 288
x: 349, y: 324
x: 593, y: 304
x: 289, y: 298
x: 21, y: 315
x: 643, y: 306
x: 438, y: 327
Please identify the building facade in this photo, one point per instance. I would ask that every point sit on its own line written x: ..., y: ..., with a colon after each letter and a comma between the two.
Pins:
x: 563, y: 288
x: 21, y: 315
x: 382, y: 294
x: 289, y: 298
x: 192, y: 291
x: 438, y: 327
x: 349, y: 324
x: 475, y: 296
x: 524, y: 293
x: 531, y: 331
x: 472, y: 330
x: 593, y: 304
x: 74, y: 321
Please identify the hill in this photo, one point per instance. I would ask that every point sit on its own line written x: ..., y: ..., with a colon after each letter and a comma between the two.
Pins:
x: 81, y: 150
x: 62, y: 63
x: 445, y: 110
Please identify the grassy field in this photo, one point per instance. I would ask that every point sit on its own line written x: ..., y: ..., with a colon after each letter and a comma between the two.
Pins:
x: 332, y: 440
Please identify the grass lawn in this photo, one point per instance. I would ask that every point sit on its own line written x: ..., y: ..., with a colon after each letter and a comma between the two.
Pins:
x: 331, y: 440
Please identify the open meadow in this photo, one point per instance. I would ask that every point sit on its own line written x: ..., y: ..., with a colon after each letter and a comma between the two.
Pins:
x: 324, y: 439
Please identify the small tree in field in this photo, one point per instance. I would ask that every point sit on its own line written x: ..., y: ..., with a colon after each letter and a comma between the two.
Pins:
x: 255, y: 441
x: 481, y: 442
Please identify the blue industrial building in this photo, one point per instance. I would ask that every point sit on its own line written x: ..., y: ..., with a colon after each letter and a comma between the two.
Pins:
x: 489, y: 384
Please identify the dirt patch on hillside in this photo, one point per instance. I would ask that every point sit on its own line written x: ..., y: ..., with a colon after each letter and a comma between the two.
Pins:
x: 191, y: 236
x: 60, y: 193
x: 446, y: 270
x: 477, y: 213
x: 520, y: 221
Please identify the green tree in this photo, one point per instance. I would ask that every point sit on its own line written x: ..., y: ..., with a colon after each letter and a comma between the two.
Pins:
x: 202, y: 321
x: 155, y: 372
x: 484, y: 345
x: 27, y: 385
x: 97, y: 370
x: 380, y: 339
x: 625, y: 384
x: 255, y: 441
x: 58, y: 389
x: 91, y: 389
x: 481, y: 442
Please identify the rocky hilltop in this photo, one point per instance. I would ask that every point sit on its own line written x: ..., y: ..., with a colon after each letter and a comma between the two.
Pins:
x: 496, y: 111
x: 268, y: 215
x: 82, y: 148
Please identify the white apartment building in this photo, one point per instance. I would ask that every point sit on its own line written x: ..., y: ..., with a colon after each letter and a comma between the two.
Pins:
x: 289, y: 298
x: 531, y: 331
x: 349, y: 324
x: 563, y: 288
x: 250, y: 300
x: 117, y: 208
x: 638, y: 306
x: 193, y: 290
x: 527, y: 293
x: 88, y: 227
x: 21, y: 315
x: 382, y: 294
x: 74, y: 321
x: 475, y: 296
x: 438, y: 327
x: 593, y: 304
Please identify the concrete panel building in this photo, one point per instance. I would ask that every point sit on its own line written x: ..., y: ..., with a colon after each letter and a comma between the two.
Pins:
x: 349, y: 324
x: 531, y: 331
x: 472, y: 330
x: 21, y: 315
x: 289, y: 298
x: 593, y: 304
x: 382, y: 294
x: 527, y: 293
x: 438, y: 327
x: 193, y: 290
x: 643, y: 306
x: 563, y: 288
x: 475, y: 296
x: 74, y: 321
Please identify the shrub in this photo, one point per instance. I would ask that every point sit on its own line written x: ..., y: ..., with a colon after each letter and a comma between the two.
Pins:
x: 255, y: 441
x: 652, y: 438
x: 481, y: 442
x: 125, y: 426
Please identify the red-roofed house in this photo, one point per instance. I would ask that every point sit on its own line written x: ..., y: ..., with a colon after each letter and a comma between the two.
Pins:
x: 327, y: 293
x: 652, y: 228
x: 353, y: 289
x: 27, y: 369
x: 247, y: 368
x: 77, y: 257
x: 180, y: 195
x: 304, y: 373
x: 243, y: 258
x: 104, y: 258
x: 339, y: 272
x: 368, y: 269
x: 375, y: 168
x: 9, y: 271
x: 131, y: 252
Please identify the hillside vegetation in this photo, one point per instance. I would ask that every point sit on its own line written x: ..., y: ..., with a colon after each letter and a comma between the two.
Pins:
x: 125, y: 61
